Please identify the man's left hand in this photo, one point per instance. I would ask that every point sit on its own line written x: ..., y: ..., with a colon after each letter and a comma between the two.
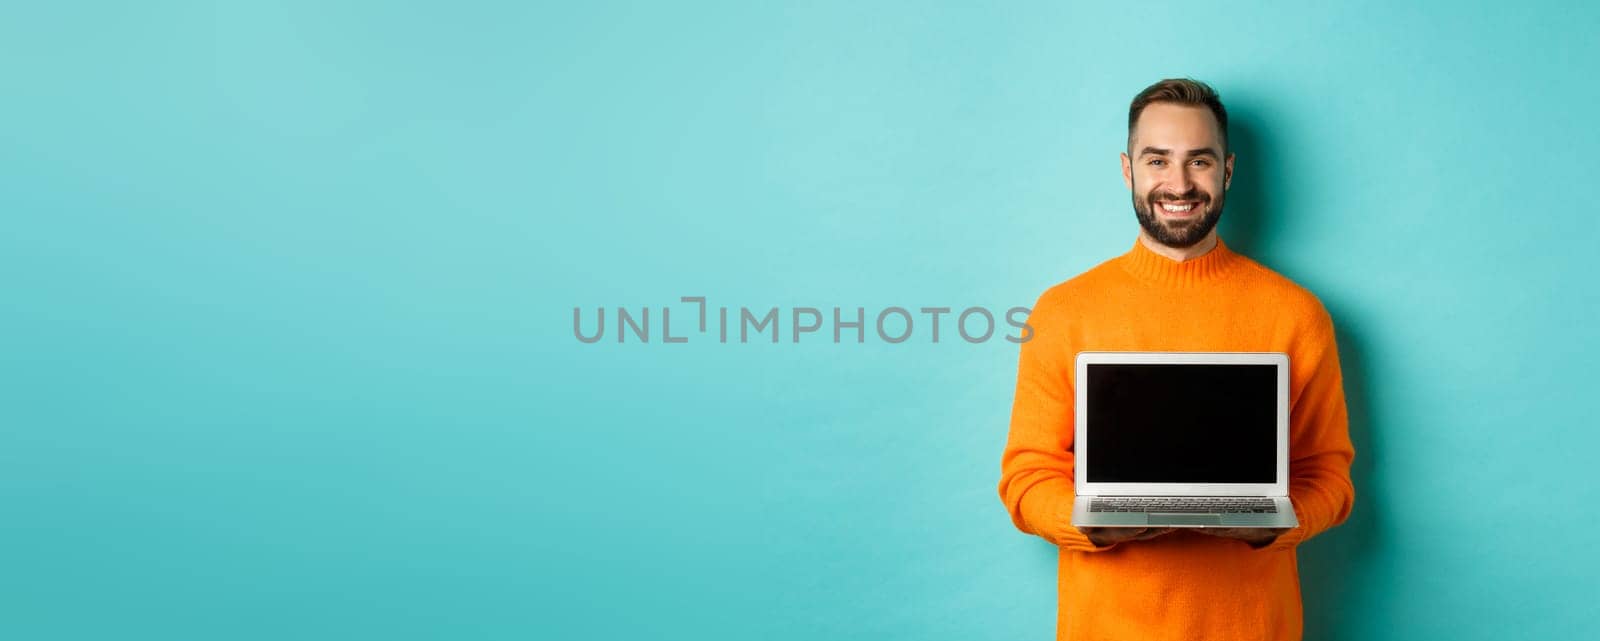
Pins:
x: 1257, y: 537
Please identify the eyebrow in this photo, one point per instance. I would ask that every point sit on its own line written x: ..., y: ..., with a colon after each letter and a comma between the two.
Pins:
x: 1157, y: 151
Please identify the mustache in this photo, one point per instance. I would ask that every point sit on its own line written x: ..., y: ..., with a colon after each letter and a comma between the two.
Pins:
x: 1167, y: 196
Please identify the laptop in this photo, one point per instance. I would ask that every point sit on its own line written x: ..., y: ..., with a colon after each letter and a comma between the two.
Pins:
x: 1182, y: 439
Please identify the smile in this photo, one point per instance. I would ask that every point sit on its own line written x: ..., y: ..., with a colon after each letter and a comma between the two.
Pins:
x: 1180, y: 208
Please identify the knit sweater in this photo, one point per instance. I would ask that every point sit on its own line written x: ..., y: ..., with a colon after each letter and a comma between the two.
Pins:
x: 1183, y: 585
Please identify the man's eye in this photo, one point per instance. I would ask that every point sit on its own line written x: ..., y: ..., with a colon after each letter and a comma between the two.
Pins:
x: 1157, y: 161
x: 1201, y: 163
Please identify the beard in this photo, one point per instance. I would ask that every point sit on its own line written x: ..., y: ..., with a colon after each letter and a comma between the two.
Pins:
x: 1181, y: 233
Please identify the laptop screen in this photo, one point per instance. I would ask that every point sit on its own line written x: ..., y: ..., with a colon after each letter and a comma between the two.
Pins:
x: 1182, y: 423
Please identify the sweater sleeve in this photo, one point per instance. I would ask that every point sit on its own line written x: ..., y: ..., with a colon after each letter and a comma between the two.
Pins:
x: 1320, y: 450
x: 1036, y: 474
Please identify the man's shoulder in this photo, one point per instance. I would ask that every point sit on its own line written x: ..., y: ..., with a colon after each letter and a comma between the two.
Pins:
x: 1284, y: 293
x: 1088, y: 280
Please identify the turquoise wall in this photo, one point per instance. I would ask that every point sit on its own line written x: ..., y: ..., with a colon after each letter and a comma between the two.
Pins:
x: 288, y: 298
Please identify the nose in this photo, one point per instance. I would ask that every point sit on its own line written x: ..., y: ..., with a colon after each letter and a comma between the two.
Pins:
x: 1184, y: 183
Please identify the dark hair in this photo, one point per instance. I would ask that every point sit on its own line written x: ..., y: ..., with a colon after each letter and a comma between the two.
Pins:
x: 1182, y: 91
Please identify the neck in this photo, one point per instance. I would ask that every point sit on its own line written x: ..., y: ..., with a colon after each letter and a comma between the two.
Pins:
x: 1179, y: 254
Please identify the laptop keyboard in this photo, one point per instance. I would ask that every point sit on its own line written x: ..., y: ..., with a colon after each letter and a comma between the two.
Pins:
x: 1184, y: 504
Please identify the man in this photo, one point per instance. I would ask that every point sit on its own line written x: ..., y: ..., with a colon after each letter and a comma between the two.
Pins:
x: 1180, y: 288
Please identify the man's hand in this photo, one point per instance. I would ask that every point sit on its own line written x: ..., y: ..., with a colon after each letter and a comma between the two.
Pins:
x: 1103, y: 536
x: 1257, y: 537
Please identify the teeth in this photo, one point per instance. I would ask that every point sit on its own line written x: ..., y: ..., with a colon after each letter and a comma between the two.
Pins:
x: 1176, y: 208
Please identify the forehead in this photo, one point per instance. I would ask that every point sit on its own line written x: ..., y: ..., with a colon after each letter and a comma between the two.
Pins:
x: 1174, y: 126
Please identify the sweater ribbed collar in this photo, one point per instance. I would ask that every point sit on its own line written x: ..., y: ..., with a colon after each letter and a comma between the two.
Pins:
x: 1152, y: 267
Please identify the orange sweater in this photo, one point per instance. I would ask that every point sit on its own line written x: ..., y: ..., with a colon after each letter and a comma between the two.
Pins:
x: 1184, y: 585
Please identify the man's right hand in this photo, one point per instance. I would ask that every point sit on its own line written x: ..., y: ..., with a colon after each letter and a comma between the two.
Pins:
x: 1103, y: 536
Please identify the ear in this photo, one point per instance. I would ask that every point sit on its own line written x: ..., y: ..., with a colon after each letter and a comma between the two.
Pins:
x: 1227, y: 172
x: 1127, y: 170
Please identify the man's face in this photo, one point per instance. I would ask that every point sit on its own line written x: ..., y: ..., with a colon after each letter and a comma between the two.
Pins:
x: 1177, y: 173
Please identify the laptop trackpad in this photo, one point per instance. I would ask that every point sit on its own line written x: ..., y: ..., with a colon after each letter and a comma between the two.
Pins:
x: 1184, y: 519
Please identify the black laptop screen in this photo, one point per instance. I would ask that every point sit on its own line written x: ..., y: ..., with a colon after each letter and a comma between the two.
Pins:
x: 1172, y: 423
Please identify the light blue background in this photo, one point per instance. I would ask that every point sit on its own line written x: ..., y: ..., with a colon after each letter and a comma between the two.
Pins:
x: 288, y: 290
